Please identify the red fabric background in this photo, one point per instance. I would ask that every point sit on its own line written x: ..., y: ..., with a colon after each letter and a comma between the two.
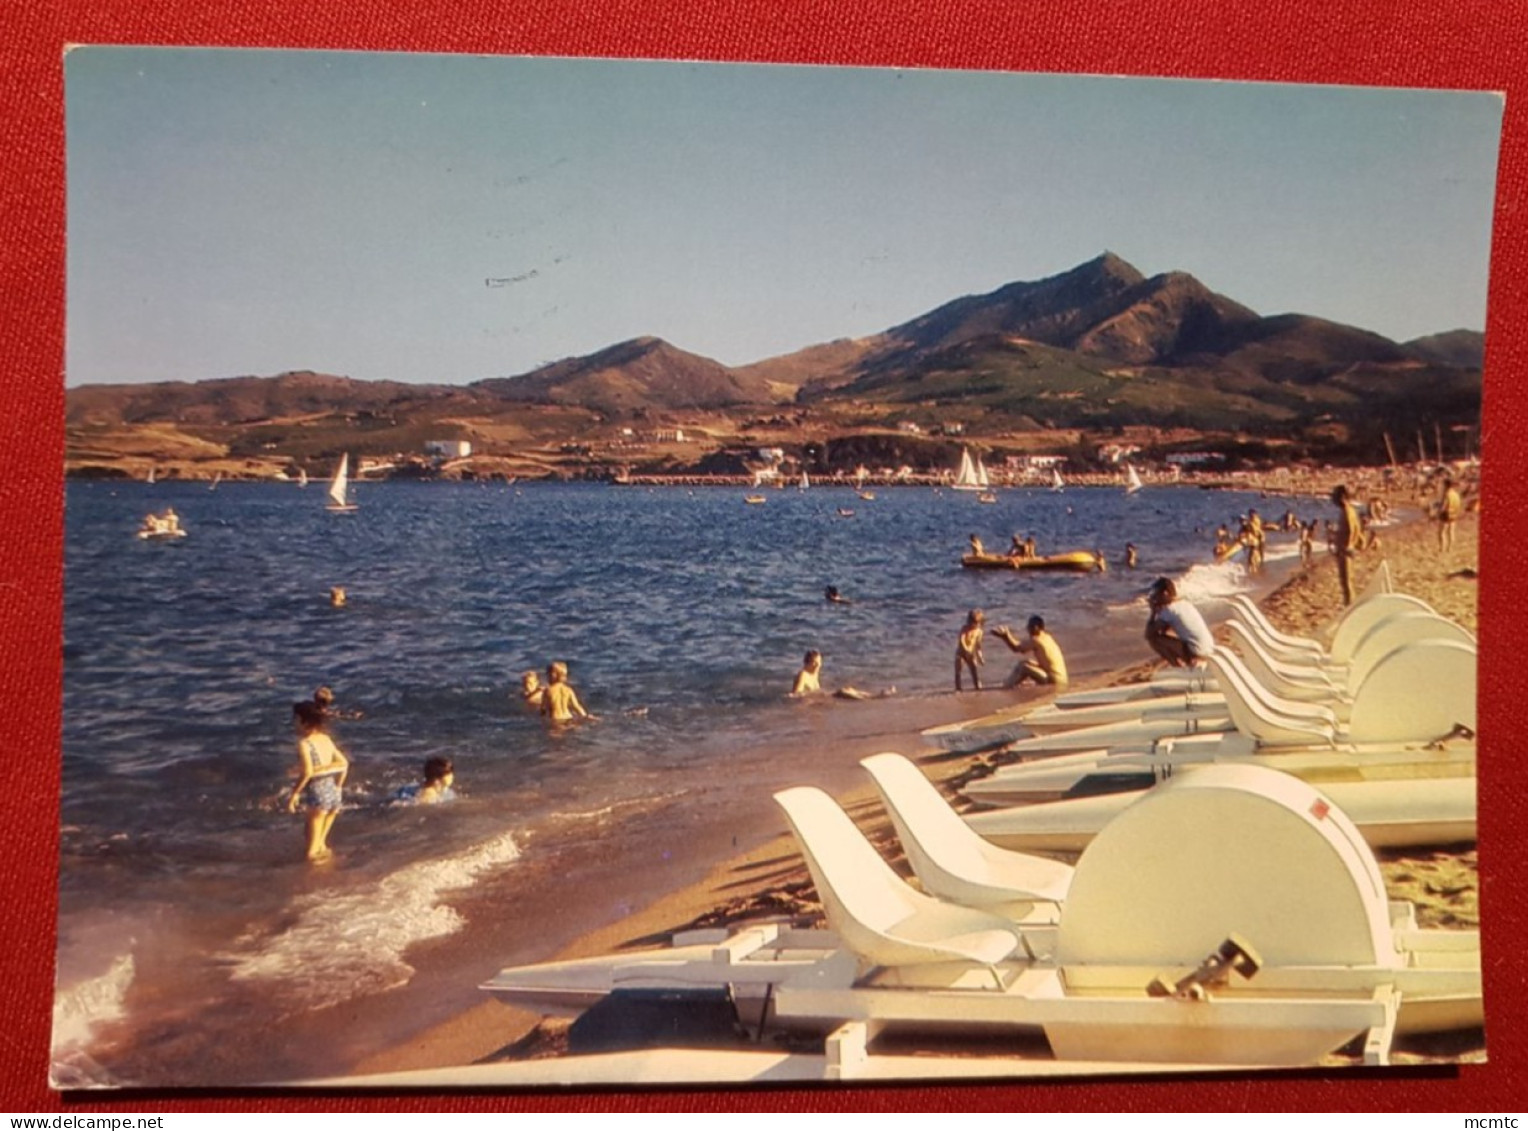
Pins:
x: 1479, y: 44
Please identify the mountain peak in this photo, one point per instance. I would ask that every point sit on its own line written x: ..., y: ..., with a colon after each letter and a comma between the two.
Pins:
x: 1109, y: 266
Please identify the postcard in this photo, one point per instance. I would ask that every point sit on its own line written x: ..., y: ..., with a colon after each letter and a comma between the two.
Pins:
x: 584, y: 571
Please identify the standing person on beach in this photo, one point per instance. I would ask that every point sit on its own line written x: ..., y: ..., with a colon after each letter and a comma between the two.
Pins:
x: 1347, y: 540
x: 968, y: 649
x: 321, y: 777
x: 1176, y: 630
x: 1256, y: 539
x: 1048, y: 666
x: 559, y: 702
x: 1450, y: 507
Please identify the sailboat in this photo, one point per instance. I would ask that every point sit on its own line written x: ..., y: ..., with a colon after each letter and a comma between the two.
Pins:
x: 1132, y: 479
x: 805, y: 482
x: 150, y: 480
x: 1056, y: 483
x: 302, y: 477
x: 338, y: 487
x: 216, y: 479
x: 972, y: 475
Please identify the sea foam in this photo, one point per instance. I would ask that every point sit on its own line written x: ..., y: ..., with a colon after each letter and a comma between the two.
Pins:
x: 77, y: 1012
x: 343, y: 945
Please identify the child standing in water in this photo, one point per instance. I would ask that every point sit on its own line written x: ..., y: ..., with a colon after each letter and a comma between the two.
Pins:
x: 968, y: 648
x: 321, y: 777
x: 559, y: 702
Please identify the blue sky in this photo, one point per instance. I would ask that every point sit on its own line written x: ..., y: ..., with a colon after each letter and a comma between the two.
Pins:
x: 448, y: 218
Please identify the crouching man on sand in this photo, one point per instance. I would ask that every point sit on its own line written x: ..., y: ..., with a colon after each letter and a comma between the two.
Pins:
x: 1176, y: 630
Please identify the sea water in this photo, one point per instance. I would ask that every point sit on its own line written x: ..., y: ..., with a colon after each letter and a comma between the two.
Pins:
x: 194, y: 944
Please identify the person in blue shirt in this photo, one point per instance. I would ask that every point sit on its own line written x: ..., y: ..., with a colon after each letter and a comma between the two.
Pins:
x: 1176, y: 630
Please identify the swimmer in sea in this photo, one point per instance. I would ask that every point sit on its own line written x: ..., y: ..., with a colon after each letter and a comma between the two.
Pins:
x: 808, y: 681
x: 337, y: 597
x: 531, y: 690
x: 559, y: 702
x: 323, y: 699
x: 439, y: 776
x: 834, y: 597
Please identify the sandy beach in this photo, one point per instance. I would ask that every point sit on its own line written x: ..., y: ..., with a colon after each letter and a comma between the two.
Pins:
x: 770, y: 879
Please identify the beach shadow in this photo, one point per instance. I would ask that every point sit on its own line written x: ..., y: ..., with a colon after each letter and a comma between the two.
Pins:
x: 771, y: 862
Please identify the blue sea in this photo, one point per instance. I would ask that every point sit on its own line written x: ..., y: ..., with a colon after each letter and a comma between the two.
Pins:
x: 195, y: 946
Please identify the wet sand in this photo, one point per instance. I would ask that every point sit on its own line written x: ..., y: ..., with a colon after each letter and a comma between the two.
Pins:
x: 770, y: 879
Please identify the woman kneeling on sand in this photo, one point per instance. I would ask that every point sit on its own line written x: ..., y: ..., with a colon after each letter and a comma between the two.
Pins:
x: 321, y: 776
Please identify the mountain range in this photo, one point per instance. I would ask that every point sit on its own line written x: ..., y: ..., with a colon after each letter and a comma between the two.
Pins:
x: 1098, y: 347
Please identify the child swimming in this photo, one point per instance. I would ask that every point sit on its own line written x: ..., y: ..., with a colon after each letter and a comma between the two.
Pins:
x: 439, y: 777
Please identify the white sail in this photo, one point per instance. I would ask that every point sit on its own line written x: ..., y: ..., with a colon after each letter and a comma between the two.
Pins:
x: 968, y: 478
x: 216, y: 479
x: 302, y: 477
x: 1132, y: 479
x: 339, y: 485
x: 151, y: 475
x: 805, y: 482
x: 1056, y: 482
x: 981, y: 473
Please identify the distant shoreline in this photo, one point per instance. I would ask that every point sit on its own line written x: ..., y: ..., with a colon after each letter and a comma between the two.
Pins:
x: 1296, y: 481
